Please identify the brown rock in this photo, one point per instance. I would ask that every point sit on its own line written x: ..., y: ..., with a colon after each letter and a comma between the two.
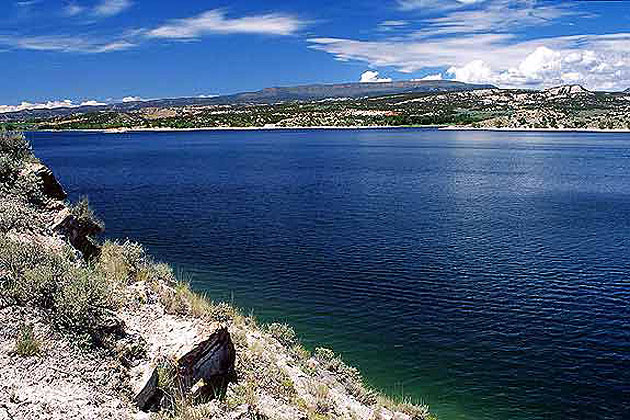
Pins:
x: 51, y: 187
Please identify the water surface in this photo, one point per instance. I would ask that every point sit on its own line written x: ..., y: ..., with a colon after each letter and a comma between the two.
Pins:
x: 487, y: 273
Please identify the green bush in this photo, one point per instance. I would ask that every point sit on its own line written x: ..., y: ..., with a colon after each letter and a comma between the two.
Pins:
x: 82, y: 301
x: 77, y: 296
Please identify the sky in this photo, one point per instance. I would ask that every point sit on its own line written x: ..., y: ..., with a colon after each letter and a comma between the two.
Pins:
x: 72, y: 52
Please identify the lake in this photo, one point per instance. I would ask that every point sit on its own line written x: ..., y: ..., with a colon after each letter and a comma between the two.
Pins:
x: 487, y: 273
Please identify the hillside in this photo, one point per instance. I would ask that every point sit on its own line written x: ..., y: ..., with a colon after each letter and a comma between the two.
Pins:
x: 562, y: 107
x: 265, y: 96
x: 100, y: 330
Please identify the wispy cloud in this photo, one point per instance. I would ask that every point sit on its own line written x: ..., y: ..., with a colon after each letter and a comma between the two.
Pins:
x: 66, y: 44
x: 216, y: 22
x: 108, y: 8
x: 210, y: 22
x: 435, y: 5
x: 497, y: 16
x: 73, y: 9
x: 389, y: 25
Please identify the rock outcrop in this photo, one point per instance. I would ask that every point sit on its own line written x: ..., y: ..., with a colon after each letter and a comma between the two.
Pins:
x: 567, y: 91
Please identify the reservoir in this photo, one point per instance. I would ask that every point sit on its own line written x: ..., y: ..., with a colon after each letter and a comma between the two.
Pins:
x: 486, y: 273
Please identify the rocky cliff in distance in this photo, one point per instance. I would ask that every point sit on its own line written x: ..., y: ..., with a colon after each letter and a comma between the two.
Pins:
x: 100, y: 330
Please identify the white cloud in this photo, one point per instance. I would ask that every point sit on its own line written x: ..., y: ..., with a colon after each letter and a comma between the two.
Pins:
x: 390, y: 25
x: 603, y: 68
x: 428, y: 78
x: 108, y: 8
x: 409, y: 55
x: 127, y: 99
x: 474, y: 72
x: 370, y: 76
x: 485, y: 43
x: 29, y: 106
x: 603, y: 61
x: 215, y: 22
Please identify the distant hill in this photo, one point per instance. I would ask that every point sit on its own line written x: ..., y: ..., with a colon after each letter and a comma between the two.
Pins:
x: 348, y: 90
x: 627, y: 90
x: 312, y: 93
x: 270, y: 96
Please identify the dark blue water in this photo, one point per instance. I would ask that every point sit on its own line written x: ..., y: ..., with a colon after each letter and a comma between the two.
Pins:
x: 487, y: 273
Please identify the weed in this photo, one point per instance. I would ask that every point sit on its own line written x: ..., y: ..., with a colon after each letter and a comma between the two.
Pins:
x: 27, y: 344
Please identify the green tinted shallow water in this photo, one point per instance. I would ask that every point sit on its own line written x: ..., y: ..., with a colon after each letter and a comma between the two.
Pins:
x: 484, y: 272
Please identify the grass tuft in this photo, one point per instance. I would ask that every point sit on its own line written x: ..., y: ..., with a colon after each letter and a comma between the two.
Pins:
x: 27, y: 344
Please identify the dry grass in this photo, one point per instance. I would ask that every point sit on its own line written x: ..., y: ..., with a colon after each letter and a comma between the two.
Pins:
x: 27, y: 344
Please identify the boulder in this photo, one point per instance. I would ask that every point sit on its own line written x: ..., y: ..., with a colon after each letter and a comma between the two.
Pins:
x: 211, y: 360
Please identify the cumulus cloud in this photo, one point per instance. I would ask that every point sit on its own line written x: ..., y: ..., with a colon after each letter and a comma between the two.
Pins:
x: 215, y: 22
x: 599, y: 62
x: 485, y: 43
x: 370, y: 76
x: 474, y: 72
x: 602, y: 67
x: 108, y: 8
x: 29, y: 106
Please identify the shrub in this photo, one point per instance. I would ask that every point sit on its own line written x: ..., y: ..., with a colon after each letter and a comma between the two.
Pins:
x: 82, y: 301
x: 77, y: 296
x: 26, y: 344
x: 349, y: 376
x: 14, y: 145
x: 16, y: 215
x: 84, y: 214
x: 284, y: 334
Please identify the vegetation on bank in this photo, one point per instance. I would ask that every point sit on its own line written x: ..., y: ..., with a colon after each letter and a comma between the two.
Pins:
x: 81, y: 296
x: 568, y: 107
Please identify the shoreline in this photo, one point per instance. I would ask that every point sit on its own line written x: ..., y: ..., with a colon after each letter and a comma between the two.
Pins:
x: 543, y: 130
x: 258, y: 128
x: 358, y: 127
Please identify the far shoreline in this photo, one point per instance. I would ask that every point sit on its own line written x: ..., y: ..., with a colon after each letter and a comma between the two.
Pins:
x: 306, y: 128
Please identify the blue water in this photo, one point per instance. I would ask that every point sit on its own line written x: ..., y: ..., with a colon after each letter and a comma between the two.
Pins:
x: 486, y: 273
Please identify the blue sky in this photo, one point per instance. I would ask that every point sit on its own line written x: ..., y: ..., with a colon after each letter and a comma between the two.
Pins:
x: 98, y: 51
